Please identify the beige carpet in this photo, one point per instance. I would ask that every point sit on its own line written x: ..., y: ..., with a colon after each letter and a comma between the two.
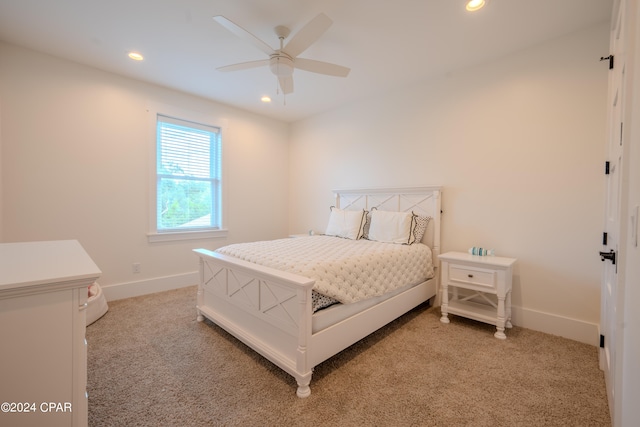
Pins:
x: 151, y: 364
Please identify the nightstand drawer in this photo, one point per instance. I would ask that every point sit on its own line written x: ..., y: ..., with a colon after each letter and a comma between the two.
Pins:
x: 472, y: 276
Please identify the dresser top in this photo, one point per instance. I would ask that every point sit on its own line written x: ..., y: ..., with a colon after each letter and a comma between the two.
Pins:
x: 28, y: 264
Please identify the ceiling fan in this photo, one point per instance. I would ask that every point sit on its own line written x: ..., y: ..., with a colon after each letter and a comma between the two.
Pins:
x: 284, y: 60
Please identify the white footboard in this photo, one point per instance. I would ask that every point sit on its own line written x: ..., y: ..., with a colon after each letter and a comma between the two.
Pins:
x: 267, y: 309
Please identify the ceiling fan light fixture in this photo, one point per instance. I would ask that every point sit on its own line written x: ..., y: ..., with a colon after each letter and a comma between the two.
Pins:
x: 473, y: 5
x: 281, y: 66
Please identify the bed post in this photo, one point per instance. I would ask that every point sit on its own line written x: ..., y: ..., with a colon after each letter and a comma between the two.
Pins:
x: 304, y: 372
x: 435, y: 246
x: 436, y: 229
x: 200, y: 294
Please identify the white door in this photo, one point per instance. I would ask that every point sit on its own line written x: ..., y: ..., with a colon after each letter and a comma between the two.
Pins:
x: 611, y: 310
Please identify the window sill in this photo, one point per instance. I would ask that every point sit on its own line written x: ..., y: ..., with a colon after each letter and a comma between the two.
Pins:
x: 185, y: 235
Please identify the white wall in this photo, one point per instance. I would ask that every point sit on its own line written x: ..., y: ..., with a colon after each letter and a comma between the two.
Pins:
x: 518, y: 145
x: 76, y: 153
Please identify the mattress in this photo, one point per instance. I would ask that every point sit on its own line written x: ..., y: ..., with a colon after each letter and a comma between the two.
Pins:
x: 345, y: 270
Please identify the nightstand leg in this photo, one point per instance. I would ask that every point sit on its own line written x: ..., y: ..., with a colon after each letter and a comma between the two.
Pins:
x: 508, y: 308
x: 501, y: 319
x: 444, y: 307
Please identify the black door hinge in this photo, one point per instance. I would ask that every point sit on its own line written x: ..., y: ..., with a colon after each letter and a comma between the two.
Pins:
x: 604, y: 239
x: 606, y: 167
x: 610, y: 58
x: 601, y: 341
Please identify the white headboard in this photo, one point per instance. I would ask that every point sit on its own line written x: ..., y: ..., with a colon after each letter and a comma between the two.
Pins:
x: 420, y: 200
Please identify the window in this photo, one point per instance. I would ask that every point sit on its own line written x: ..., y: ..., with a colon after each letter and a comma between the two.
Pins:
x: 188, y: 177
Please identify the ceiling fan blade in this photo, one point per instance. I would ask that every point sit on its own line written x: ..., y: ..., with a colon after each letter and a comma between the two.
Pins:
x: 244, y: 34
x: 321, y: 67
x: 307, y: 35
x: 244, y: 65
x: 286, y: 84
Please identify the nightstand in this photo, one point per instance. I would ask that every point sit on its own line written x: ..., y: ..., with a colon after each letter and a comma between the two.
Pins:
x: 482, y: 275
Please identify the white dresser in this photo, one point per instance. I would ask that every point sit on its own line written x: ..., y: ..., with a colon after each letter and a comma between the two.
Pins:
x: 43, y: 354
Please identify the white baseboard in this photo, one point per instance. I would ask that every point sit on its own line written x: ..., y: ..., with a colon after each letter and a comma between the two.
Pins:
x: 552, y: 324
x: 577, y: 330
x: 149, y: 286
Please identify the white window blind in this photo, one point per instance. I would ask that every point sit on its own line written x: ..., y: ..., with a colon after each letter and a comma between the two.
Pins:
x: 188, y: 175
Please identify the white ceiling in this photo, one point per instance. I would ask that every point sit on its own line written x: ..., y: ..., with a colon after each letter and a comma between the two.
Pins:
x: 387, y: 44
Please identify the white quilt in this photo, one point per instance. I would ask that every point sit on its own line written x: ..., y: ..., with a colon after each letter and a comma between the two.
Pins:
x: 346, y: 270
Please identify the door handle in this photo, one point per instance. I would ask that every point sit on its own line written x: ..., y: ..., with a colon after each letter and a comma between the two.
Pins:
x: 611, y: 256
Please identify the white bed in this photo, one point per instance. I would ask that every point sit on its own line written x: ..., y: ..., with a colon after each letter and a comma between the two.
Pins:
x: 270, y: 310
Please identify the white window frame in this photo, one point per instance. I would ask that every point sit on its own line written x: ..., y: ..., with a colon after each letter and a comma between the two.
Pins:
x: 154, y: 235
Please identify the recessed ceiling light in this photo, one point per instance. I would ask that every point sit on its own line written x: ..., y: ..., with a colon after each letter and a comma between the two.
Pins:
x: 136, y: 56
x: 266, y: 99
x: 473, y: 5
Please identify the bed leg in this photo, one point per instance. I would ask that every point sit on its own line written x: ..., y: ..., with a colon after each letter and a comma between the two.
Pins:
x: 303, y: 385
x: 303, y: 390
x: 432, y: 301
x: 200, y: 297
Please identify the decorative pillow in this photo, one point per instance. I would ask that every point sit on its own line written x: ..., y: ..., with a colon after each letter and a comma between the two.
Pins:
x: 367, y: 225
x: 421, y: 227
x: 392, y: 227
x: 348, y: 224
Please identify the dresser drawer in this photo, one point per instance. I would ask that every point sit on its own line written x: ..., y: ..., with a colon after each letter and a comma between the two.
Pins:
x: 474, y: 277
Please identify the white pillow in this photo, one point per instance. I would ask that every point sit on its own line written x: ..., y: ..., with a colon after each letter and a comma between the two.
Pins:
x: 418, y: 231
x: 349, y: 224
x: 392, y: 227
